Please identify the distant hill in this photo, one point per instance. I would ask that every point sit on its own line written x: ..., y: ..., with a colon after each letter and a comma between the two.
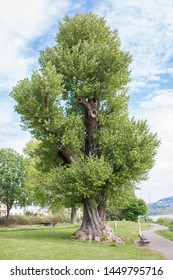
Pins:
x: 162, y: 203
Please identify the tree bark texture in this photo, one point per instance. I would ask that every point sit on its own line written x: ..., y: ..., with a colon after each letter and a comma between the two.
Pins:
x: 94, y: 214
x: 67, y: 154
x: 91, y: 108
x: 101, y: 201
x: 93, y: 227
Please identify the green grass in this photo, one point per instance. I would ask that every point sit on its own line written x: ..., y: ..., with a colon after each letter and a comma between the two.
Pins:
x: 41, y: 243
x: 166, y: 234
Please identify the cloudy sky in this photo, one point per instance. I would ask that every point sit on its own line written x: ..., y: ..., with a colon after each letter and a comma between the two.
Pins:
x: 146, y: 31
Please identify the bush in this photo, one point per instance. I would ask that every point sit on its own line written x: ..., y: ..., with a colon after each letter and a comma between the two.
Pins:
x: 171, y: 228
x: 15, y: 220
x: 165, y: 221
x: 134, y: 208
x: 35, y: 220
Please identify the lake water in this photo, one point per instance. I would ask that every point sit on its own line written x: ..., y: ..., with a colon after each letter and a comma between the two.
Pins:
x: 155, y: 217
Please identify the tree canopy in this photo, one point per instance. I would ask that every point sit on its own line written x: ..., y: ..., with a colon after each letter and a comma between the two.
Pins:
x: 133, y: 209
x: 77, y: 106
x: 12, y: 177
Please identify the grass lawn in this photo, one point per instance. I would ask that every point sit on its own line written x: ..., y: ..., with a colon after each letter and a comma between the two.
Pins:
x: 47, y: 243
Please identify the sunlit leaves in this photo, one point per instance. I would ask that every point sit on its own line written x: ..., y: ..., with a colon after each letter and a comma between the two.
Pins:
x: 38, y: 100
x: 88, y: 54
x: 84, y: 180
x: 130, y: 148
x: 87, y: 61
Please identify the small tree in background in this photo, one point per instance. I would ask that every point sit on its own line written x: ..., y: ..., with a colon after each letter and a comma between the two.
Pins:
x: 134, y: 208
x: 117, y: 202
x: 77, y: 106
x: 12, y: 177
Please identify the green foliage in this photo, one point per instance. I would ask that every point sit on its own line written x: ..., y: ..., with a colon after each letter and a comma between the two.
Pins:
x: 89, y: 57
x: 171, y: 228
x: 129, y: 147
x: 87, y: 61
x: 12, y: 177
x: 68, y: 185
x: 134, y: 208
x: 117, y: 201
x: 87, y: 179
x: 30, y: 148
x: 34, y: 179
x: 39, y: 101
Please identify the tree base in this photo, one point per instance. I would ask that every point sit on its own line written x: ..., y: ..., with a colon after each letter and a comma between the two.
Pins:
x: 106, y: 235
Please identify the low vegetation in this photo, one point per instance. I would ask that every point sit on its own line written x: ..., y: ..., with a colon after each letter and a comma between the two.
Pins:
x: 168, y: 233
x: 58, y: 243
x: 15, y: 220
x: 165, y: 221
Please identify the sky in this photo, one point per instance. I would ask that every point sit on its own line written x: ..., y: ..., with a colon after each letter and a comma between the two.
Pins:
x: 145, y: 29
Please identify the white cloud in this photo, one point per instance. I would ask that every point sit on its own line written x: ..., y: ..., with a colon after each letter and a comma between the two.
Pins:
x: 10, y: 131
x: 6, y: 115
x: 20, y: 23
x: 146, y: 30
x: 158, y: 110
x: 30, y: 18
x: 17, y: 142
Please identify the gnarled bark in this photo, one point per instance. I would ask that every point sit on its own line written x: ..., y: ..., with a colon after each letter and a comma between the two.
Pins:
x: 93, y: 227
x: 101, y: 201
x: 67, y: 154
x: 91, y: 108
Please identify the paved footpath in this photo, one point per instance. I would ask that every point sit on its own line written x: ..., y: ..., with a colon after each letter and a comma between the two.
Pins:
x: 157, y: 242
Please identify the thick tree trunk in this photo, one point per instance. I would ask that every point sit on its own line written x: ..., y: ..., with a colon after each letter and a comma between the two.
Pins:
x: 73, y: 216
x: 93, y: 227
x: 94, y: 216
x: 101, y: 201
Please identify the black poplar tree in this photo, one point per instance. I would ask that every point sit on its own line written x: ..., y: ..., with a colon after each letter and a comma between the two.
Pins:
x: 77, y: 106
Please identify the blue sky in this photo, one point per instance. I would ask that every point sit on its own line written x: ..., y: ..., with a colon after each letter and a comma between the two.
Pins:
x: 146, y: 31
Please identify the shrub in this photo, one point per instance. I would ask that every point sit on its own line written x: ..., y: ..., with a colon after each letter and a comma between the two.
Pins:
x: 134, y: 208
x: 171, y: 228
x: 35, y: 220
x: 165, y: 221
x: 15, y: 220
